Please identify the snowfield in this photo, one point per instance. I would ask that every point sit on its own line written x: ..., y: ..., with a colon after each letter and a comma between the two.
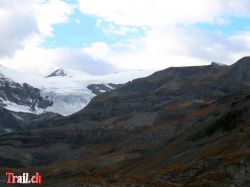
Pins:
x: 66, y: 88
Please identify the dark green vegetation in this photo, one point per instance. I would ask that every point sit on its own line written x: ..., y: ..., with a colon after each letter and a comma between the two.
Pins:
x: 187, y: 126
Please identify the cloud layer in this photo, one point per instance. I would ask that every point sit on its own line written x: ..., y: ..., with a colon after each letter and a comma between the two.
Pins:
x: 163, y: 12
x: 169, y: 34
x: 171, y: 37
x: 25, y: 24
x: 17, y: 23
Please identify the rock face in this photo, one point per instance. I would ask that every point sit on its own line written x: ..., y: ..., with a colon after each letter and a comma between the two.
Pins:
x: 58, y: 73
x: 15, y: 97
x: 9, y: 121
x: 98, y: 89
x: 186, y: 126
x: 23, y: 95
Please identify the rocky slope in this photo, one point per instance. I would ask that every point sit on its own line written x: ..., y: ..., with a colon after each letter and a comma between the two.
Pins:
x: 148, y: 100
x: 186, y: 126
x: 14, y: 95
x: 98, y: 89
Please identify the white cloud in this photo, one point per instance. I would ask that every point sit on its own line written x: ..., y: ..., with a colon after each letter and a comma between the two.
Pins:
x: 20, y: 20
x: 165, y: 47
x: 113, y: 29
x: 236, y: 7
x: 163, y: 12
x: 152, y: 12
x: 165, y: 43
x: 33, y: 58
x: 26, y: 23
x: 52, y: 12
x: 17, y: 23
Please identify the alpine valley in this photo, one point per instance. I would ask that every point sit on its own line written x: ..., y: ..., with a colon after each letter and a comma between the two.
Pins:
x: 182, y: 126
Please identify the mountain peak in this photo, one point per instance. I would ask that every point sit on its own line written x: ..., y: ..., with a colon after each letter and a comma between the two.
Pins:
x: 217, y: 64
x: 243, y: 61
x: 58, y: 73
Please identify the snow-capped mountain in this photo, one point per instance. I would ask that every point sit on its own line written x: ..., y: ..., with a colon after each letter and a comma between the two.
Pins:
x: 67, y: 91
x: 217, y: 64
x: 15, y: 96
x: 59, y: 72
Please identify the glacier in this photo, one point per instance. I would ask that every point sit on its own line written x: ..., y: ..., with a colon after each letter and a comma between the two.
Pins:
x: 66, y: 88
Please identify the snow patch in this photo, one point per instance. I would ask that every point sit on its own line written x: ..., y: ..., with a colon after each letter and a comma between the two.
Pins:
x: 21, y: 108
x: 109, y: 86
x: 8, y: 130
x: 17, y: 117
x: 218, y: 64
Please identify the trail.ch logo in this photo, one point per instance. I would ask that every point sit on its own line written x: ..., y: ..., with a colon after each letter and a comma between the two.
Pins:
x: 25, y: 178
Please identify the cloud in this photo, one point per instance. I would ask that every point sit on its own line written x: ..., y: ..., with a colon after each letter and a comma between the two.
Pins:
x: 238, y: 8
x: 170, y: 36
x: 165, y: 47
x: 209, y: 46
x: 17, y: 23
x: 163, y: 12
x: 153, y: 34
x: 22, y: 19
x: 79, y: 60
x: 113, y: 29
x: 52, y: 12
x: 25, y: 24
x: 33, y: 58
x: 152, y: 12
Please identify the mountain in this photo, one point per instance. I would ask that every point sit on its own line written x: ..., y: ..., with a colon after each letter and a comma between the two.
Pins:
x: 58, y: 73
x: 217, y: 64
x: 74, y: 91
x: 153, y: 96
x: 67, y: 90
x: 15, y: 96
x: 185, y: 126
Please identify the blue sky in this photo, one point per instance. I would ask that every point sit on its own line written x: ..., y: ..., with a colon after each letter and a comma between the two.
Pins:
x: 115, y: 35
x: 234, y: 25
x: 82, y: 30
x: 77, y: 35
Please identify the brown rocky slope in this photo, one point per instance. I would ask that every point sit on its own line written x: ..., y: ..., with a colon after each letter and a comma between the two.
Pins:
x: 186, y: 126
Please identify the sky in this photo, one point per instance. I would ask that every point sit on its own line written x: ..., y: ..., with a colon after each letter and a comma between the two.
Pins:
x: 105, y: 36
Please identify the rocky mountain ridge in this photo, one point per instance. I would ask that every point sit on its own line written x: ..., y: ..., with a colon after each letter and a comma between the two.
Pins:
x: 182, y: 126
x: 22, y: 95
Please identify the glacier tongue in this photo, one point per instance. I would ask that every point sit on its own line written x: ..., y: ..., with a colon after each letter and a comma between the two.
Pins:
x: 67, y: 103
